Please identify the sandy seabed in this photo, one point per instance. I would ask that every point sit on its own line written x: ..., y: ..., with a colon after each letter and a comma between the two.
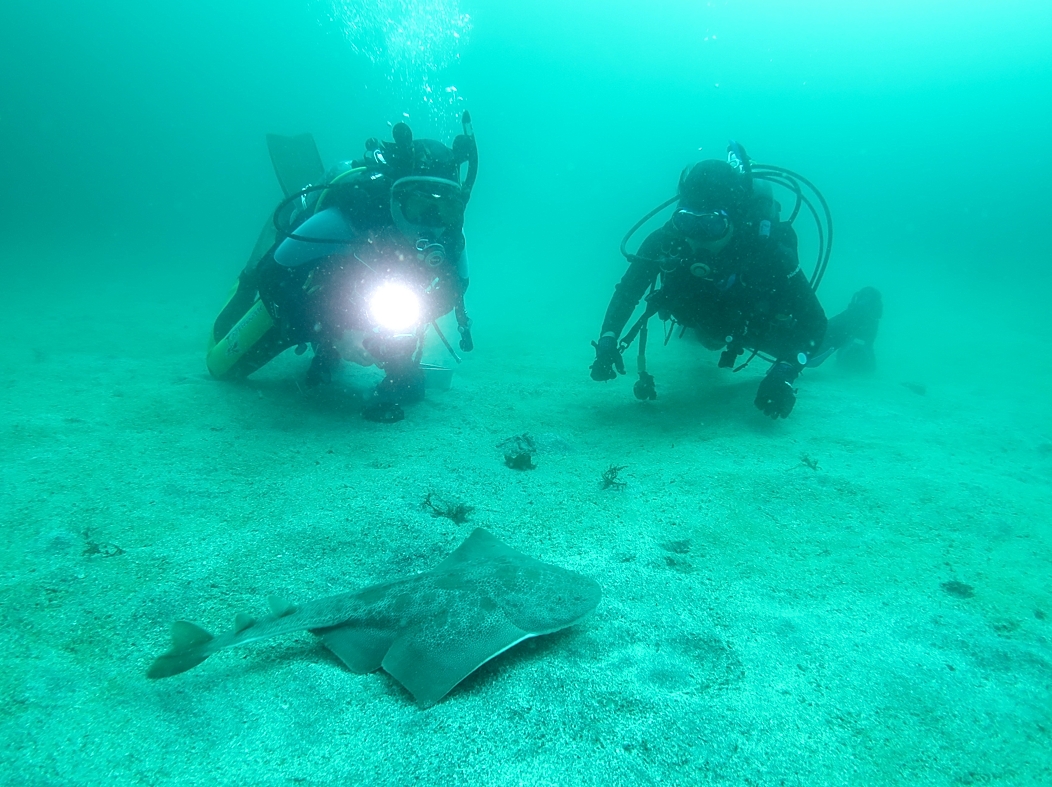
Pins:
x: 858, y: 595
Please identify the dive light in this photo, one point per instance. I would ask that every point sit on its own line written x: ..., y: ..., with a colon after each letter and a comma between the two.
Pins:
x: 395, y: 307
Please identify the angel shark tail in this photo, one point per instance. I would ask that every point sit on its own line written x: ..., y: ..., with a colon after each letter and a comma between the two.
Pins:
x: 189, y: 648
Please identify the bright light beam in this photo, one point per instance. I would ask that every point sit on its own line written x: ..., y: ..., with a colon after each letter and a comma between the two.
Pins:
x: 395, y: 307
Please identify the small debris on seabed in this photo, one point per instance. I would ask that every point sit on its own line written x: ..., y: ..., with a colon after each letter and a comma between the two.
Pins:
x: 1004, y: 626
x: 958, y: 589
x: 610, y: 477
x: 101, y: 548
x: 680, y: 547
x: 680, y: 566
x: 918, y: 388
x: 457, y: 512
x: 807, y: 461
x: 518, y: 451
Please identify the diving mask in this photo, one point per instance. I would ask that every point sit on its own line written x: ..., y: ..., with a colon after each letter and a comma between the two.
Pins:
x: 711, y: 225
x: 426, y: 205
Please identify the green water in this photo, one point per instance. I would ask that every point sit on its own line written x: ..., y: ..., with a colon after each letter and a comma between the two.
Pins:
x: 806, y: 637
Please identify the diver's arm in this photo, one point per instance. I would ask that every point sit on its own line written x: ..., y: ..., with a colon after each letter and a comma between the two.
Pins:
x: 463, y: 279
x: 448, y: 296
x: 798, y: 301
x: 446, y: 293
x: 776, y: 396
x: 467, y: 343
x: 803, y: 336
x: 633, y: 285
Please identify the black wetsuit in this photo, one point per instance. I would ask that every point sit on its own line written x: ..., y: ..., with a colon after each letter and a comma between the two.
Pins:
x: 752, y: 295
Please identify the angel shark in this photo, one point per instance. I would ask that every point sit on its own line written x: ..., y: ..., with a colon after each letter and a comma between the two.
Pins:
x: 429, y: 631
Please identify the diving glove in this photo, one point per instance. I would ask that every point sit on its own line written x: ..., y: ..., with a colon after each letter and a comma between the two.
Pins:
x: 607, y: 358
x: 776, y: 395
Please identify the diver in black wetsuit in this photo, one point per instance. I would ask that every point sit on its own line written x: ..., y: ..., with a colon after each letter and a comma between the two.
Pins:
x: 726, y: 267
x: 363, y: 264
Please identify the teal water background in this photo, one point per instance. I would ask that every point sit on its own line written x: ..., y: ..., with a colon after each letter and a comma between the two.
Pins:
x: 139, y: 127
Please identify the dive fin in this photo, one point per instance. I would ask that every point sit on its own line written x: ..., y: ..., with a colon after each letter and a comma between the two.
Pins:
x: 296, y: 161
x: 242, y: 622
x: 188, y: 641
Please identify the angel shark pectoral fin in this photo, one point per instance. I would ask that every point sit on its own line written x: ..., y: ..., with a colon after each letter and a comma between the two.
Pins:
x: 429, y: 665
x: 361, y: 648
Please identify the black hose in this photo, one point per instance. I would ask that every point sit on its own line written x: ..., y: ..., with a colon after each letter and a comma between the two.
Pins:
x: 640, y: 223
x: 803, y: 200
x: 794, y: 187
x: 292, y: 198
x: 824, y: 240
x: 820, y: 271
x: 823, y: 256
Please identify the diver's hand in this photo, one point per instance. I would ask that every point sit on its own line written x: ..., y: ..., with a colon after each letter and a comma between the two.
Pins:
x: 467, y: 344
x: 607, y: 358
x: 776, y: 395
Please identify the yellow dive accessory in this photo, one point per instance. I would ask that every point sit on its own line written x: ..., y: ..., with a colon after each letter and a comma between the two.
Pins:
x: 239, y: 340
x: 320, y: 204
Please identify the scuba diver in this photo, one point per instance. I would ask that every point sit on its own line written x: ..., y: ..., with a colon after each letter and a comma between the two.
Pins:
x: 357, y: 265
x: 726, y: 266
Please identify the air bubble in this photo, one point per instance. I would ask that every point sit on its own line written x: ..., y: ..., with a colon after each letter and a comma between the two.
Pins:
x: 412, y: 42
